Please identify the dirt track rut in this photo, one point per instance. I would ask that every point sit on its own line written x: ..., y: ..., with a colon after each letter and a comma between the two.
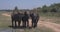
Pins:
x: 54, y: 26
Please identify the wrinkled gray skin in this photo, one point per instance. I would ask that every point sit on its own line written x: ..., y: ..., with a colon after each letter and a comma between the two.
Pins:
x: 35, y: 18
x: 24, y: 18
x: 16, y: 18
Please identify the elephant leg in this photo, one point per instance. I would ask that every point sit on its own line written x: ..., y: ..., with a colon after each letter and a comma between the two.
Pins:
x: 34, y: 23
x: 24, y: 24
x: 15, y: 24
x: 27, y: 23
x: 19, y: 22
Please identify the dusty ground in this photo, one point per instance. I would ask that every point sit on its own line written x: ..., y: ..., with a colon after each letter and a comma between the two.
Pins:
x: 55, y: 27
x: 47, y: 23
x: 44, y: 22
x: 6, y: 14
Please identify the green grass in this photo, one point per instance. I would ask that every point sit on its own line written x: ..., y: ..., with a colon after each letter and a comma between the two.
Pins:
x: 49, y: 14
x: 4, y: 20
x: 53, y: 16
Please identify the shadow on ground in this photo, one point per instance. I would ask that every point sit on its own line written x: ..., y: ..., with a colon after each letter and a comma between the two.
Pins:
x: 20, y: 27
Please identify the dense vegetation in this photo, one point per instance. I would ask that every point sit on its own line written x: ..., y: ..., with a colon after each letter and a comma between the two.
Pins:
x: 52, y: 10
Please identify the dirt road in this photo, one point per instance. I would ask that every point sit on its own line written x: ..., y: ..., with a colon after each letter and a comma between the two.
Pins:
x: 6, y: 14
x: 54, y: 26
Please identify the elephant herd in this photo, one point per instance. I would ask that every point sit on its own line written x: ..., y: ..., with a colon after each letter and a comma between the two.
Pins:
x: 24, y: 19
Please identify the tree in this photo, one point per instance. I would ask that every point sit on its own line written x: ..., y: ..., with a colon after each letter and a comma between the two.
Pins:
x: 44, y: 9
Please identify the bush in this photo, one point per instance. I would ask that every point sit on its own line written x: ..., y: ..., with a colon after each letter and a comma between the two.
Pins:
x: 53, y: 10
x: 44, y: 11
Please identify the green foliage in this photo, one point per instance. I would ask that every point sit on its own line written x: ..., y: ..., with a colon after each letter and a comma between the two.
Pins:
x: 44, y: 11
x: 53, y: 10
